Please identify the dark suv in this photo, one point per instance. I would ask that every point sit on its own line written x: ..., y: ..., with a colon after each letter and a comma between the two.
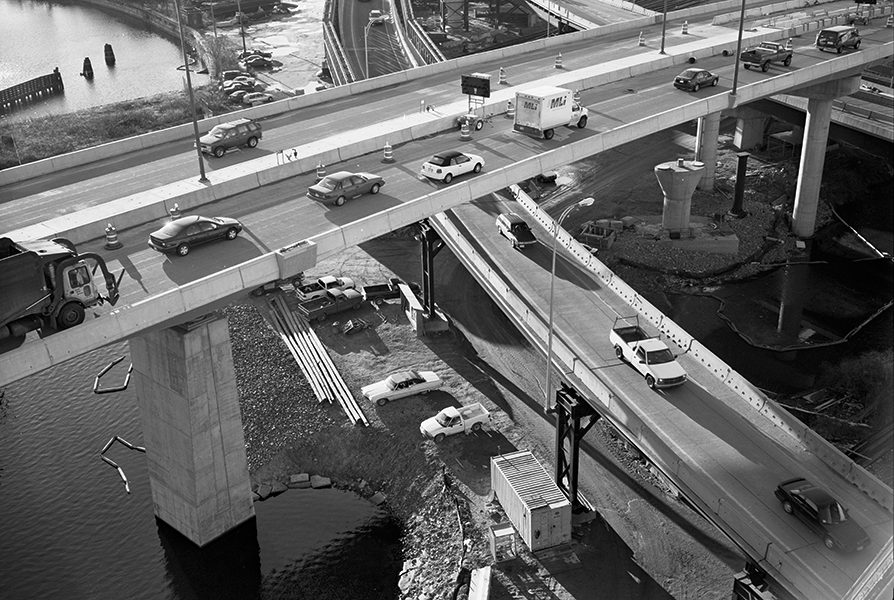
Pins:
x: 243, y: 132
x: 513, y: 227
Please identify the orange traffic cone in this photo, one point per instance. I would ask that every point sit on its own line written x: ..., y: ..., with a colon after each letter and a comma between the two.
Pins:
x: 464, y: 133
x: 389, y: 157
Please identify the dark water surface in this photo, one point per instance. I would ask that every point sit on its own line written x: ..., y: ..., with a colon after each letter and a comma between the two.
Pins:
x: 36, y: 36
x: 69, y: 530
x: 842, y: 290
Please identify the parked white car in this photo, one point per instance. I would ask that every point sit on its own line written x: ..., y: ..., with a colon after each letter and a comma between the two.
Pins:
x: 256, y: 98
x: 444, y: 166
x: 376, y: 17
x: 400, y: 385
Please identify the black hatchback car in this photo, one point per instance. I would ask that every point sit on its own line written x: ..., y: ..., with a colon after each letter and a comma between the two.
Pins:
x: 180, y: 235
x: 822, y: 513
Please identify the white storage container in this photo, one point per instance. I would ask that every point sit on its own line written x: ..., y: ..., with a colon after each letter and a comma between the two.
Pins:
x: 533, y: 502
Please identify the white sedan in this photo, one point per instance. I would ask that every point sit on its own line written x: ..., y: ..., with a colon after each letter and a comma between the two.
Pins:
x: 400, y: 385
x: 255, y: 98
x: 444, y: 166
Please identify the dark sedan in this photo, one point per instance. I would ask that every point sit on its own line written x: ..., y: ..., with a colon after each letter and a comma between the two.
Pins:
x: 338, y: 187
x: 692, y: 80
x: 180, y: 235
x: 822, y: 513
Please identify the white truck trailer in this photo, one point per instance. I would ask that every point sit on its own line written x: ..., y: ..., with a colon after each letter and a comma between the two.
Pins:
x: 538, y: 111
x: 533, y: 502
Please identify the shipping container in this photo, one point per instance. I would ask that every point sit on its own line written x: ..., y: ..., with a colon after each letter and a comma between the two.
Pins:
x: 533, y: 502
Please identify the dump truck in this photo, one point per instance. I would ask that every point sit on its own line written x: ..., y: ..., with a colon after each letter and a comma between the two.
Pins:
x: 453, y: 420
x: 765, y: 53
x: 334, y: 301
x: 318, y: 288
x: 647, y: 354
x: 48, y: 285
x: 540, y: 110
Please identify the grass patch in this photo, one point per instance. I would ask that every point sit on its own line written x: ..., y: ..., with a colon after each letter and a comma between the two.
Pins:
x: 52, y: 135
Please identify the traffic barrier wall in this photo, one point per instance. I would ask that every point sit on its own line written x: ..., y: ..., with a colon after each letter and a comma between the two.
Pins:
x: 85, y: 156
x: 747, y: 532
x: 759, y: 402
x: 426, y: 124
x: 707, y: 491
x: 80, y: 157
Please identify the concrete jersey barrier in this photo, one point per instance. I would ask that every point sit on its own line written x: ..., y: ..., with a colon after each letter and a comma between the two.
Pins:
x: 189, y: 194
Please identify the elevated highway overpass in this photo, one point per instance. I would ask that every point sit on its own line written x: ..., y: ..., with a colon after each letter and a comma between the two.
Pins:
x: 716, y: 438
x: 167, y: 156
x: 158, y: 293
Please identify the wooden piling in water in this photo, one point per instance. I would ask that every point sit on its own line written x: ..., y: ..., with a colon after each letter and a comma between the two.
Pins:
x: 31, y: 90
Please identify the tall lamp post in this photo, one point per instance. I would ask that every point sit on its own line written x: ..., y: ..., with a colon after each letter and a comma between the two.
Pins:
x: 663, y: 27
x: 738, y: 50
x: 552, y: 286
x: 192, y: 100
x: 241, y: 25
x: 387, y: 19
x: 547, y: 20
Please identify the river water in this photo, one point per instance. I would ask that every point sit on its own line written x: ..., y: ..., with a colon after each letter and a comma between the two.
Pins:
x: 37, y: 36
x: 69, y: 530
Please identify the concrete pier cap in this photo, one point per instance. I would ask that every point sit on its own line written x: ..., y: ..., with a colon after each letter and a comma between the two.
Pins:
x: 830, y: 90
x: 678, y: 181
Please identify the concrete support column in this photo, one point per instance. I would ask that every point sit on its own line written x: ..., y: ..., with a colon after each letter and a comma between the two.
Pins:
x: 813, y: 151
x: 750, y: 126
x: 678, y: 180
x: 192, y: 428
x: 810, y: 175
x: 706, y: 148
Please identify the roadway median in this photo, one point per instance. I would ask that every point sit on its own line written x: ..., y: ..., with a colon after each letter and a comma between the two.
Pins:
x: 147, y: 206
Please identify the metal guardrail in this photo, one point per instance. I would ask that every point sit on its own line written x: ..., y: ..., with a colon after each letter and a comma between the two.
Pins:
x: 884, y: 115
x: 418, y: 37
x: 339, y: 67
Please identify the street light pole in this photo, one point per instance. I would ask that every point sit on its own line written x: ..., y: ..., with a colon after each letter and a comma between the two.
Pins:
x: 192, y: 100
x: 241, y: 26
x: 663, y: 27
x: 552, y: 287
x: 738, y: 51
x: 366, y: 48
x: 387, y: 19
x: 547, y: 20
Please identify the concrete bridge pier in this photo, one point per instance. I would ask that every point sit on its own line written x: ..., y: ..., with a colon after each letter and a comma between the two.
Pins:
x: 750, y: 125
x: 192, y: 428
x: 678, y: 181
x: 706, y: 148
x: 813, y: 151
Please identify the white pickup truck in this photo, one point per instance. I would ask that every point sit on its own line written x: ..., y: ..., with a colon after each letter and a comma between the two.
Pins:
x: 453, y: 420
x: 648, y: 355
x: 318, y: 288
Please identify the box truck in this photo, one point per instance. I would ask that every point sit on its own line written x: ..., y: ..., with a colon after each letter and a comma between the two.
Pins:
x: 48, y: 284
x: 539, y: 111
x: 533, y: 502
